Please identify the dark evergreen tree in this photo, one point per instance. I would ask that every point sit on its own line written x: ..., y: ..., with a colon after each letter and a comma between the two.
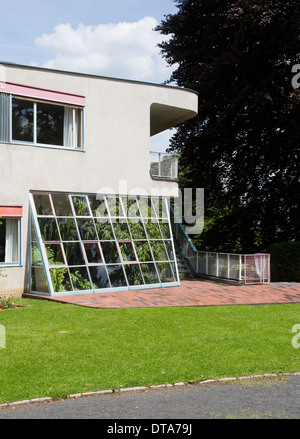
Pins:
x: 244, y: 146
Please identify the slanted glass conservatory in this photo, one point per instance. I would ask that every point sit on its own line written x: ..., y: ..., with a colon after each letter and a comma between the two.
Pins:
x: 90, y: 243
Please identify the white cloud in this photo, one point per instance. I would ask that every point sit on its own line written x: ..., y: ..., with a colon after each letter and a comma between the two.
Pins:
x: 122, y: 50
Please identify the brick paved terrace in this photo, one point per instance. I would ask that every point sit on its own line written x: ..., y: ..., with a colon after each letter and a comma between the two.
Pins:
x: 191, y: 292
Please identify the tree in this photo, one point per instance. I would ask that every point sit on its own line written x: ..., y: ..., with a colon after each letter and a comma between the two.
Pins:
x: 244, y: 146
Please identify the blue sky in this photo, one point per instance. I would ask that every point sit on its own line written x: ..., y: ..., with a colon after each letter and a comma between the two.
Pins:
x: 112, y: 38
x: 56, y: 33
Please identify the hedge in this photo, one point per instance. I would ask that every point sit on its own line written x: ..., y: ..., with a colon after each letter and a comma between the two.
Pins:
x: 285, y: 262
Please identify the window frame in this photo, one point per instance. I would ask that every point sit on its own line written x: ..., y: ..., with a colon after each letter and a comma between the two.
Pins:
x: 35, y: 101
x: 18, y: 263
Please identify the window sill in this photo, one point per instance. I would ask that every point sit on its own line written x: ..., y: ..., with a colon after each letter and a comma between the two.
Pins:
x: 40, y: 145
x: 8, y: 265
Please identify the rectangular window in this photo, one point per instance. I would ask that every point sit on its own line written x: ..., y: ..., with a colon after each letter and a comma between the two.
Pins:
x: 40, y: 117
x: 45, y: 123
x: 10, y: 241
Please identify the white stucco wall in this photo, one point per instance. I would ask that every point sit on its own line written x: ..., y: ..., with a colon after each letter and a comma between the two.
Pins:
x: 116, y: 139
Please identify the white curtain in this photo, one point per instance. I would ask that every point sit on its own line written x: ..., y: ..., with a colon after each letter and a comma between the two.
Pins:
x: 11, y: 241
x: 70, y: 127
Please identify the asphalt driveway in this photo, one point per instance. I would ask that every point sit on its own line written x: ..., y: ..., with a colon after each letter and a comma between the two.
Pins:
x: 265, y: 398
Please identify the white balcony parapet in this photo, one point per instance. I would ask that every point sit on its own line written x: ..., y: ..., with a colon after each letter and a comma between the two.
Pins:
x: 164, y: 165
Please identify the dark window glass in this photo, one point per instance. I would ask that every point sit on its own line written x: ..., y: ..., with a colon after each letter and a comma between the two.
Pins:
x: 127, y: 251
x: 22, y: 120
x: 99, y: 277
x: 2, y: 240
x: 81, y: 206
x: 42, y: 204
x: 137, y: 229
x: 165, y: 272
x: 54, y: 254
x: 73, y: 253
x: 61, y: 204
x: 116, y: 275
x: 48, y: 229
x: 110, y: 252
x: 121, y: 229
x: 80, y: 278
x: 87, y: 230
x: 39, y: 280
x: 93, y: 253
x: 60, y: 280
x: 104, y: 229
x: 143, y: 251
x: 149, y: 273
x: 134, y: 274
x: 50, y: 123
x: 67, y: 229
x: 159, y: 251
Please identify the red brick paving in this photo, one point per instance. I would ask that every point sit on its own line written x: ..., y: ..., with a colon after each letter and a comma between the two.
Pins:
x: 191, y: 292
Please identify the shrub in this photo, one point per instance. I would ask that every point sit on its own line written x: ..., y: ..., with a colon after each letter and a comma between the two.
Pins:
x: 6, y: 303
x: 285, y: 261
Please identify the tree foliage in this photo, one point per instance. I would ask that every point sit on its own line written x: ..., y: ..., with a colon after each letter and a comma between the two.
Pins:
x: 244, y: 145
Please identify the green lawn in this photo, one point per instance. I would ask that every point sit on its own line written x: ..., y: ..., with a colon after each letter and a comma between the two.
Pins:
x: 55, y: 349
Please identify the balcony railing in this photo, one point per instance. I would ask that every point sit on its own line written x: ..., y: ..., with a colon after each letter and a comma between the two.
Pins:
x: 163, y: 165
x: 244, y: 268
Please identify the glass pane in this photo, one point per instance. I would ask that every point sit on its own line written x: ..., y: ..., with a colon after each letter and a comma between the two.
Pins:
x: 54, y: 254
x: 153, y: 230
x: 146, y: 208
x: 67, y: 229
x: 73, y: 253
x: 81, y: 206
x: 98, y: 206
x: 165, y: 229
x: 93, y: 253
x: 110, y: 252
x: 143, y: 251
x: 80, y: 278
x: 114, y: 206
x: 121, y: 229
x: 160, y: 207
x: 42, y: 204
x: 127, y: 251
x: 61, y: 204
x: 134, y: 274
x: 137, y: 229
x: 165, y: 272
x: 38, y: 280
x: 104, y: 229
x: 87, y: 229
x: 36, y: 257
x: 22, y: 120
x: 131, y: 207
x: 170, y: 251
x: 99, y: 277
x: 60, y: 280
x: 149, y: 273
x: 50, y: 123
x: 48, y: 229
x: 116, y: 275
x: 159, y: 251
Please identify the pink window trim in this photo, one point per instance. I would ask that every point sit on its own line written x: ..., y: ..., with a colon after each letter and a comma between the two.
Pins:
x: 11, y: 211
x: 39, y: 93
